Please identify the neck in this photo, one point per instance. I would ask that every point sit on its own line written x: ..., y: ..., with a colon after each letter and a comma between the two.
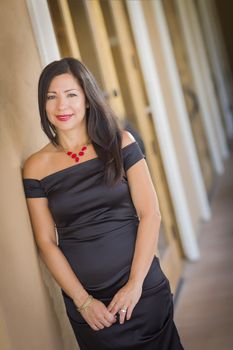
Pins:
x: 73, y: 140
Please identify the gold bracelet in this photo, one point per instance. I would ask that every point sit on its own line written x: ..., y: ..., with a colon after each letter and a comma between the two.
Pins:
x: 86, y: 304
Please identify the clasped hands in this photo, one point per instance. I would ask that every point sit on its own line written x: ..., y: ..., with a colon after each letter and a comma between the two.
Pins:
x: 98, y: 316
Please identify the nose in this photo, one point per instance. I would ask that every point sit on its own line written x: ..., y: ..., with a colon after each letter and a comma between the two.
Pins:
x: 61, y: 103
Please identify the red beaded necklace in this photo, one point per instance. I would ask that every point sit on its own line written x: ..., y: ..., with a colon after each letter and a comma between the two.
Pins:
x: 74, y: 155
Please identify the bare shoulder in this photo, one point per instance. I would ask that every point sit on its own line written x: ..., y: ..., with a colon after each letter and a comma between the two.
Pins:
x: 127, y: 138
x: 35, y: 164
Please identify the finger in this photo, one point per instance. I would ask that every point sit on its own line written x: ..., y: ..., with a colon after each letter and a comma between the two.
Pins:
x: 94, y: 327
x: 99, y: 325
x: 106, y: 323
x: 111, y: 305
x: 103, y: 321
x: 129, y: 312
x: 109, y: 317
x: 122, y: 313
x: 114, y: 309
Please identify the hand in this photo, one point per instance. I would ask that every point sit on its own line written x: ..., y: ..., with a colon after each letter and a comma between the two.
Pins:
x: 97, y: 315
x: 125, y: 299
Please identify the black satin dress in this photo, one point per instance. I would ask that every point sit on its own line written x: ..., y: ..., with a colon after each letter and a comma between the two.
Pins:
x: 97, y: 228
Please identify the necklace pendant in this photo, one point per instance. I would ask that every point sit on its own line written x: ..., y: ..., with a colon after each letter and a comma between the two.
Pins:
x: 76, y: 156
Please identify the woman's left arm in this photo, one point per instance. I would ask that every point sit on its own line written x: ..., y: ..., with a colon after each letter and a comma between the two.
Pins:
x: 146, y: 204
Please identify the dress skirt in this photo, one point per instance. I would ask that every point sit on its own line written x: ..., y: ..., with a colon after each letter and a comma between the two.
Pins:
x: 151, y: 326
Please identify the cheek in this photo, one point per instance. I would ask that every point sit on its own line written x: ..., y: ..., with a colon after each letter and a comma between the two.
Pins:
x: 49, y: 115
x: 49, y: 108
x: 79, y: 106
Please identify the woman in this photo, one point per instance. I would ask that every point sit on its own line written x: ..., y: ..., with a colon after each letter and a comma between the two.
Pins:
x: 91, y: 184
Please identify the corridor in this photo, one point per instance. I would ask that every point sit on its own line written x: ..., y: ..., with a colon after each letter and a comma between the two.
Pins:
x: 204, y: 308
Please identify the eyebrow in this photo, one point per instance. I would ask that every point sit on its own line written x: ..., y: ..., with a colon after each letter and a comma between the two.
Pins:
x: 54, y: 92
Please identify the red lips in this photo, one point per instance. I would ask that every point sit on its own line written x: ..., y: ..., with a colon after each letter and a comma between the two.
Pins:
x: 64, y: 117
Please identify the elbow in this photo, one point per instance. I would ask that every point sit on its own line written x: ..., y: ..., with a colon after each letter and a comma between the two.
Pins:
x: 44, y: 246
x: 151, y: 215
x: 157, y: 216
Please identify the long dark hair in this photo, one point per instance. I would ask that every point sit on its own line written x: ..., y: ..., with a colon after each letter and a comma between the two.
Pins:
x: 103, y: 128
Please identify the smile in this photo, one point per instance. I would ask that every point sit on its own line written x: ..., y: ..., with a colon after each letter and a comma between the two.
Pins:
x: 64, y: 117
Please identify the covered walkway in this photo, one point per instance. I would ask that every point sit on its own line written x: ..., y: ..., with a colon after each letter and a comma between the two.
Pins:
x: 204, y: 307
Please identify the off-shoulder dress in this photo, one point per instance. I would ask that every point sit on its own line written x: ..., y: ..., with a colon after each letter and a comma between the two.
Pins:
x: 97, y: 228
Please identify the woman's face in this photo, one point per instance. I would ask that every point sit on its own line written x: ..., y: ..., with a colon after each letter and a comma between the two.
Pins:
x: 66, y: 102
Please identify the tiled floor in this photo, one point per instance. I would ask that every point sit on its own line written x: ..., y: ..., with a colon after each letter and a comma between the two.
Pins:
x: 204, y: 309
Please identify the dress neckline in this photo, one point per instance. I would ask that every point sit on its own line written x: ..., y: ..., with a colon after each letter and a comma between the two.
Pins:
x: 78, y: 165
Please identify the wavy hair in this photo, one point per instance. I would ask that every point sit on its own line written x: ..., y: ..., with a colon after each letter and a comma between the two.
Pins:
x: 103, y: 128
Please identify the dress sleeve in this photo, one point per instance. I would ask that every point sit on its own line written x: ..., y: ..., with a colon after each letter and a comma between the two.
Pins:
x: 132, y: 154
x: 33, y: 188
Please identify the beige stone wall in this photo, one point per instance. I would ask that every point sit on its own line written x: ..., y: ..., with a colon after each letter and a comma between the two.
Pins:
x: 32, y: 315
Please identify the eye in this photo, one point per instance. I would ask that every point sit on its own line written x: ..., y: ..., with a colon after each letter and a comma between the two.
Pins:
x: 50, y: 97
x: 71, y: 94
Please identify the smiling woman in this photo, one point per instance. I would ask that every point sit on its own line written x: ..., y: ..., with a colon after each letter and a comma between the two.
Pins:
x: 106, y: 214
x: 66, y: 101
x: 70, y: 101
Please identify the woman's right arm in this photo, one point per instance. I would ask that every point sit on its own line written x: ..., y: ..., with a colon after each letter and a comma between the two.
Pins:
x: 96, y: 314
x: 45, y: 236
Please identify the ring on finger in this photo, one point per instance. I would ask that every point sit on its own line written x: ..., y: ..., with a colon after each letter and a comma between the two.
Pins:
x: 123, y: 310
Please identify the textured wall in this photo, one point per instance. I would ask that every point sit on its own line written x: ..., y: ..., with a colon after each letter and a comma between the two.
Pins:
x: 29, y: 299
